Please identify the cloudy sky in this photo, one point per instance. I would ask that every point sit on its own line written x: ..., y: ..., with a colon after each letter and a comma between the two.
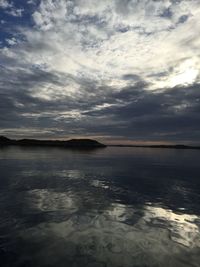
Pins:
x: 114, y: 70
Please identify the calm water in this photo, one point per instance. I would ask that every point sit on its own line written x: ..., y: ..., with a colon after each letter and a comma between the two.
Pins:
x: 110, y: 207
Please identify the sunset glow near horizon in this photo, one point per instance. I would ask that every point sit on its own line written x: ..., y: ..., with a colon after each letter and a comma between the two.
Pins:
x: 120, y: 71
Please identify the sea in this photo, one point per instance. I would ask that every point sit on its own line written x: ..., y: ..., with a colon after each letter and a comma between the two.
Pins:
x: 108, y: 207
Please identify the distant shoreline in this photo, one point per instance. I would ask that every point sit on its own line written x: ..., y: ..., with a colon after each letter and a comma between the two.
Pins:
x: 80, y: 143
x: 160, y: 146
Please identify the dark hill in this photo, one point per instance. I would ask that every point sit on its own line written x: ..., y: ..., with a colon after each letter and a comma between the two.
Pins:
x: 73, y: 143
x: 83, y: 143
x: 4, y: 139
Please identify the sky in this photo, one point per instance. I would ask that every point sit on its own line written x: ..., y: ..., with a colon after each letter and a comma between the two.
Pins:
x: 119, y: 71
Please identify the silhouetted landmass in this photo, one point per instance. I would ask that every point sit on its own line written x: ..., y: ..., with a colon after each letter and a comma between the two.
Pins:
x: 161, y: 146
x: 79, y: 143
x: 73, y: 143
x: 4, y: 140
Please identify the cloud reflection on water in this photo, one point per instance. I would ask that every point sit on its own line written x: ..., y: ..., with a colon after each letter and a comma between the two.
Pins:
x: 111, y: 233
x: 99, y: 210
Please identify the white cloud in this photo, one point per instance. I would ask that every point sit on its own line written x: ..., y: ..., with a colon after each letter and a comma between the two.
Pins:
x: 50, y: 14
x: 105, y: 40
x: 11, y: 41
x: 5, y: 4
x: 10, y: 9
x: 31, y: 2
x: 16, y: 12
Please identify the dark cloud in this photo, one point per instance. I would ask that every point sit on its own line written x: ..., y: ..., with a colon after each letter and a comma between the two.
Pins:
x: 167, y: 13
x: 134, y: 112
x: 131, y: 77
x: 165, y: 115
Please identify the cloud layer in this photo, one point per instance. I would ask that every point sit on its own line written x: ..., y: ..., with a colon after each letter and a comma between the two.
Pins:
x: 124, y: 70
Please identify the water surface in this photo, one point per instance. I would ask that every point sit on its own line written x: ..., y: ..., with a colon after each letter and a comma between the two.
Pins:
x: 123, y: 207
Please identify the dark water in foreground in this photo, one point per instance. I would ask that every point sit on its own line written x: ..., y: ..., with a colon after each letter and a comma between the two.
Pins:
x: 110, y: 207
